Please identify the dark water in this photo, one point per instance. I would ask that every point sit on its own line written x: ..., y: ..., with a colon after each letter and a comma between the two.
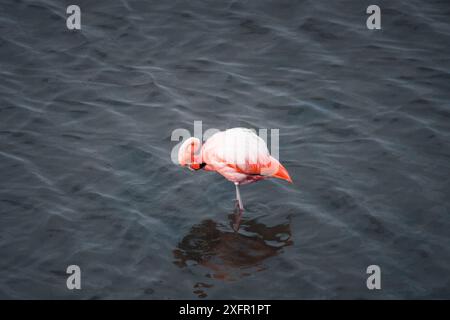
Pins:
x: 85, y: 139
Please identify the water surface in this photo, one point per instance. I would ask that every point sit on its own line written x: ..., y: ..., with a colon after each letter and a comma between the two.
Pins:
x: 86, y: 178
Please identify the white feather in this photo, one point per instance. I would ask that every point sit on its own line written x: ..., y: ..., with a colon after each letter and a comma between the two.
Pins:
x: 237, y: 146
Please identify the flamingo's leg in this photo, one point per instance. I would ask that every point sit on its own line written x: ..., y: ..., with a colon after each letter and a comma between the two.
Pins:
x: 237, y: 220
x: 238, y: 196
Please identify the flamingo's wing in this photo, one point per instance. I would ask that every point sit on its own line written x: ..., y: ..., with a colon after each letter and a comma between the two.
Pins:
x: 243, y: 151
x: 238, y: 148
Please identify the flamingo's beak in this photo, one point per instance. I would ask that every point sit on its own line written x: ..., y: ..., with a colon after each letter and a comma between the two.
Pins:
x: 196, y: 166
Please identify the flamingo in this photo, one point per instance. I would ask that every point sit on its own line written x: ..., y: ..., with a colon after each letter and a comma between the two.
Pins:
x: 238, y: 154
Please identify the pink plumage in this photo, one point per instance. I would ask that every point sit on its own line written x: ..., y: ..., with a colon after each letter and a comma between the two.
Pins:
x: 238, y: 154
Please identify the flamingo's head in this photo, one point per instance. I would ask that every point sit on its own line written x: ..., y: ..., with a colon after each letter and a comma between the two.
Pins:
x: 188, y: 154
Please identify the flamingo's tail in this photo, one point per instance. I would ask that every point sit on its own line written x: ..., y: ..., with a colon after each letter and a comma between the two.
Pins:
x: 282, y: 173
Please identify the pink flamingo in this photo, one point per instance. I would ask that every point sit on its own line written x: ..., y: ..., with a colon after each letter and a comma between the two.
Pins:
x: 238, y: 154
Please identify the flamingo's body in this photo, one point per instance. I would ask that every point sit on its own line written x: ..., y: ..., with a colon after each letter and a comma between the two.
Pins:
x: 238, y: 154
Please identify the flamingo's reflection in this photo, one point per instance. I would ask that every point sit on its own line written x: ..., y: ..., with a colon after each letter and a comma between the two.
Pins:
x: 227, y: 254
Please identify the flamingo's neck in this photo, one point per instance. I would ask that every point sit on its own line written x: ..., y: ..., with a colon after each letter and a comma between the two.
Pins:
x: 198, y: 158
